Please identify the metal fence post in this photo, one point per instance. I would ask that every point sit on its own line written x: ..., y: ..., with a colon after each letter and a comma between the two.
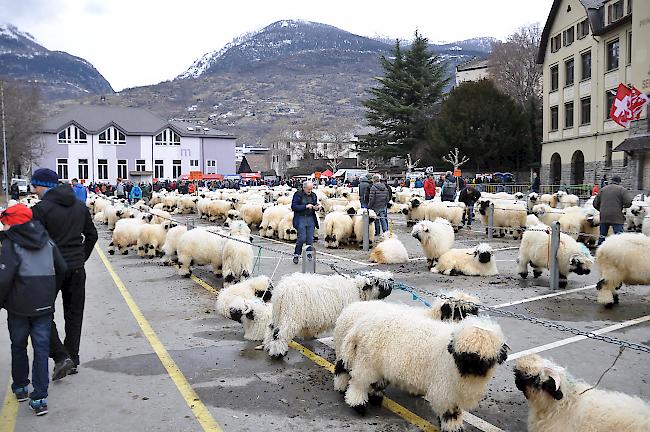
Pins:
x: 366, y: 231
x: 309, y: 259
x: 490, y: 229
x: 553, y: 263
x: 189, y: 223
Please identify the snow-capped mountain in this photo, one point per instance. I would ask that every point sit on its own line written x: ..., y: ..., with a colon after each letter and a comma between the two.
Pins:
x: 58, y: 74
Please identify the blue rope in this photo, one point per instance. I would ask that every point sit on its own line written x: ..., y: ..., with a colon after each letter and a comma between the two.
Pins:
x: 414, y: 296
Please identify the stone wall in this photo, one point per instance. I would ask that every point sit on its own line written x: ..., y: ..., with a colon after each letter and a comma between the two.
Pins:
x: 594, y: 171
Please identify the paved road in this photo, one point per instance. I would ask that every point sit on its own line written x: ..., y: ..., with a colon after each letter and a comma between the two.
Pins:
x: 155, y: 356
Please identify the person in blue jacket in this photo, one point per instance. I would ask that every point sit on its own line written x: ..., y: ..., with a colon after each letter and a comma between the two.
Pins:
x: 136, y: 193
x: 79, y: 190
x: 304, y: 206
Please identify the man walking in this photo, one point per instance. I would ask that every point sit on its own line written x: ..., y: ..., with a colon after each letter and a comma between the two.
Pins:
x: 364, y: 191
x: 378, y: 201
x: 69, y: 224
x: 611, y: 201
x: 469, y: 196
x: 304, y: 205
x: 119, y: 189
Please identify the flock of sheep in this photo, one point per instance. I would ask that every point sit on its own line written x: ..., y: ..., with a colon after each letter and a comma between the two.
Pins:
x: 453, y: 353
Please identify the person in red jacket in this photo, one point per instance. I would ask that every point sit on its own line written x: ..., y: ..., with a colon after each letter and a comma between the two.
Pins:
x: 429, y: 188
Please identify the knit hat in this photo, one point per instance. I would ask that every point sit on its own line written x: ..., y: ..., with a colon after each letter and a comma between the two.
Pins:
x: 616, y: 179
x: 45, y: 177
x: 16, y: 215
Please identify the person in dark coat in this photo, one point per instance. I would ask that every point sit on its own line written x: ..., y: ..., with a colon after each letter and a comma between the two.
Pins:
x: 610, y: 202
x: 378, y: 201
x: 536, y: 185
x: 15, y: 191
x: 69, y: 224
x: 304, y: 205
x: 29, y: 263
x: 364, y: 191
x: 469, y: 195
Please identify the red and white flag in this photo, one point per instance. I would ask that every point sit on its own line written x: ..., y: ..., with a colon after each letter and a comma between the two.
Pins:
x: 628, y: 105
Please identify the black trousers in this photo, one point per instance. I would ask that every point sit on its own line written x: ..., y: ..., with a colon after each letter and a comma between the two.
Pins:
x: 73, y: 292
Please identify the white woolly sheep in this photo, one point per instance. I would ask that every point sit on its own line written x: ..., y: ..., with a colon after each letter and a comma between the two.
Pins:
x: 271, y: 219
x: 99, y: 217
x: 477, y: 261
x: 508, y: 216
x: 200, y: 246
x: 436, y: 238
x: 533, y: 200
x: 286, y: 230
x: 232, y: 215
x: 572, y: 256
x: 113, y: 214
x: 622, y: 259
x: 170, y: 202
x: 218, y: 209
x: 159, y: 216
x: 389, y: 251
x: 357, y: 230
x: 125, y: 235
x: 416, y: 210
x: 450, y: 363
x: 546, y: 214
x: 548, y: 199
x: 310, y: 303
x: 202, y: 207
x: 339, y: 227
x: 565, y: 200
x: 238, y: 254
x: 151, y: 239
x: 532, y: 220
x: 635, y: 214
x: 254, y: 315
x: 187, y: 204
x: 171, y: 244
x: 256, y: 287
x: 559, y: 402
x: 251, y: 213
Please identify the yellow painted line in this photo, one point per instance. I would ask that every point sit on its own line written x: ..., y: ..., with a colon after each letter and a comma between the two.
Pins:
x: 9, y: 411
x: 389, y: 404
x: 202, y: 414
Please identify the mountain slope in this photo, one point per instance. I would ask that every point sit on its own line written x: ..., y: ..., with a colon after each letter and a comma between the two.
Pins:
x: 58, y: 74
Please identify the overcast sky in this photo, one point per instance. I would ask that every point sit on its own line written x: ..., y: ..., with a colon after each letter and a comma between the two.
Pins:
x: 140, y: 42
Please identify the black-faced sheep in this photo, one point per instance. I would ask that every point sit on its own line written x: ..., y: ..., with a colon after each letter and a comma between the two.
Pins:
x: 151, y: 238
x: 231, y: 216
x: 357, y: 230
x: 259, y: 287
x: 436, y: 238
x: 286, y: 230
x: 477, y: 261
x: 237, y: 254
x: 200, y: 247
x: 125, y: 235
x: 560, y: 402
x: 339, y: 227
x: 508, y: 216
x: 622, y: 258
x: 310, y: 303
x: 171, y: 244
x: 635, y: 214
x: 449, y: 363
x: 389, y: 251
x: 535, y: 249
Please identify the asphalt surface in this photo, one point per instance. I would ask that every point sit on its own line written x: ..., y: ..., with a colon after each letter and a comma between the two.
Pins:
x: 123, y: 384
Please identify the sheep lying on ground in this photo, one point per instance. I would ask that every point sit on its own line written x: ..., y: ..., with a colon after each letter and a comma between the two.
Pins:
x: 559, y: 402
x: 259, y: 287
x: 535, y: 248
x: 449, y: 363
x: 238, y: 254
x: 622, y: 258
x: 171, y: 244
x: 200, y: 247
x: 339, y: 227
x: 125, y: 235
x: 478, y: 261
x: 311, y: 303
x: 436, y: 238
x: 456, y: 308
x: 389, y: 251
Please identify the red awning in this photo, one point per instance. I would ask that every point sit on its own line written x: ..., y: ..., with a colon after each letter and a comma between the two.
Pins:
x: 212, y: 177
x: 327, y: 173
x: 250, y: 175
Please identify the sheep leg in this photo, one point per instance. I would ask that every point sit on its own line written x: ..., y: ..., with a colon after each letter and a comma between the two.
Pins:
x: 341, y: 376
x: 111, y: 248
x: 452, y: 420
x: 606, y: 293
x: 522, y: 264
x: 277, y: 344
x: 358, y: 390
x: 563, y: 281
x: 376, y: 395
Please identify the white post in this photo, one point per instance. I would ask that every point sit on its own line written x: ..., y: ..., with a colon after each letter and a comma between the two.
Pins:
x: 366, y: 231
x: 309, y: 259
x: 553, y: 266
x: 490, y: 228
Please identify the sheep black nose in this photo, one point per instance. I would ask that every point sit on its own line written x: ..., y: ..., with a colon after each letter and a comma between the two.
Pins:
x: 383, y: 293
x: 235, y: 314
x: 417, y: 236
x: 267, y: 296
x: 484, y: 257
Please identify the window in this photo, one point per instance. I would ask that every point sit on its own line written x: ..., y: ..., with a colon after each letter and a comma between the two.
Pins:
x: 568, y: 115
x: 583, y: 28
x: 194, y: 163
x: 610, y: 95
x: 72, y: 135
x: 112, y: 136
x: 62, y: 168
x: 83, y: 169
x: 140, y: 165
x: 554, y: 118
x: 568, y: 70
x: 176, y: 168
x: 122, y: 168
x: 211, y: 166
x: 625, y: 159
x: 612, y: 55
x: 288, y: 158
x: 608, y: 154
x: 102, y: 169
x: 629, y: 6
x: 554, y: 77
x: 556, y: 42
x: 167, y: 137
x: 629, y: 49
x: 568, y: 36
x: 159, y: 168
x: 585, y: 61
x: 615, y: 11
x: 585, y: 111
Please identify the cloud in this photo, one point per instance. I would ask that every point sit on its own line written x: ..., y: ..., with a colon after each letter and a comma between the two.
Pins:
x: 95, y: 7
x: 23, y: 11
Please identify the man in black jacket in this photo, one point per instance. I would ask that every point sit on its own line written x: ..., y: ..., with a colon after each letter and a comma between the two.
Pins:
x: 69, y: 224
x: 469, y: 195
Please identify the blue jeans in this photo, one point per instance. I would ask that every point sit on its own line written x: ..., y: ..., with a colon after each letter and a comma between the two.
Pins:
x: 381, y: 223
x: 469, y: 212
x: 38, y: 329
x: 604, y: 229
x: 306, y: 228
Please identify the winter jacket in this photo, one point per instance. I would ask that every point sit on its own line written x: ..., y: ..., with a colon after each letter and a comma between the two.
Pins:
x: 429, y: 188
x: 299, y: 206
x: 418, y: 183
x: 364, y: 190
x: 536, y: 185
x: 29, y: 263
x: 611, y: 201
x: 136, y: 192
x: 119, y: 189
x: 449, y: 187
x: 379, y: 196
x: 69, y: 224
x: 80, y: 192
x: 469, y: 195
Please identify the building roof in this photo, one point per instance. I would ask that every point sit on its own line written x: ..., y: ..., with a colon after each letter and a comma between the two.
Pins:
x: 595, y: 13
x: 473, y: 64
x: 641, y: 142
x: 93, y: 119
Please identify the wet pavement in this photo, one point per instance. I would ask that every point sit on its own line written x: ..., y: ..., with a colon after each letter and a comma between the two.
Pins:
x: 122, y: 384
